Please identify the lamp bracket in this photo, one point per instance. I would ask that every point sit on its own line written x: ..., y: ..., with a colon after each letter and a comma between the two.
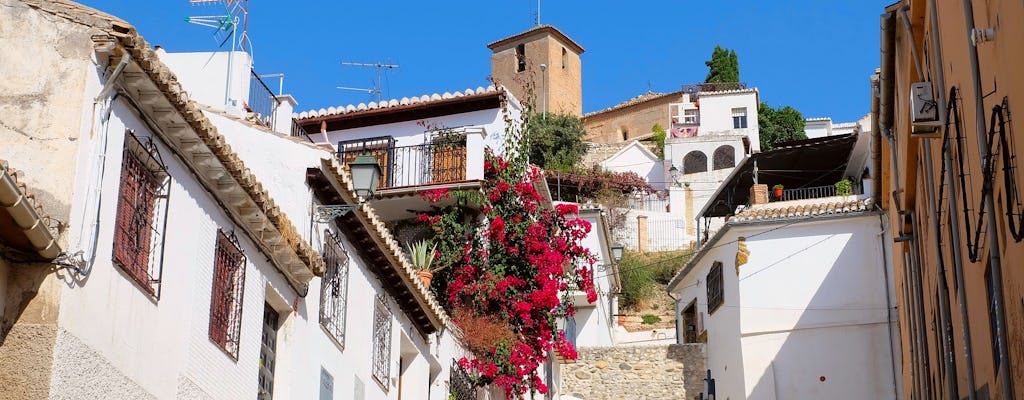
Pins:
x: 326, y: 213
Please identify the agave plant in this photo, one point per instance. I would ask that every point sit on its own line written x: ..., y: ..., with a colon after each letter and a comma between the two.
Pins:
x: 422, y: 254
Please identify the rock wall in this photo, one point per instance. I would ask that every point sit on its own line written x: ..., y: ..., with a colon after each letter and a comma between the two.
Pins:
x: 635, y: 372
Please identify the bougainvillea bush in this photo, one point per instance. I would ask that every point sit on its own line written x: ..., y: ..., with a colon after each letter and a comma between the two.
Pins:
x: 509, y: 268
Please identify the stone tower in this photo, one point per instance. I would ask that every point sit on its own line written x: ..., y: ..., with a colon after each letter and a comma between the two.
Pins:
x: 517, y: 60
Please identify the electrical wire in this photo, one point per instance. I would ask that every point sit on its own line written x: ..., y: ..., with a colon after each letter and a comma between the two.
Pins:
x: 690, y: 254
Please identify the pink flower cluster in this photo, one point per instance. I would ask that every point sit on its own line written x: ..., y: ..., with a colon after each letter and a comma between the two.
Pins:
x: 518, y: 267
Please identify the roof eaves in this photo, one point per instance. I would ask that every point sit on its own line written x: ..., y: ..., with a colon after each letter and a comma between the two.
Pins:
x: 535, y: 30
x: 26, y: 213
x: 400, y: 104
x: 385, y: 241
x: 634, y: 101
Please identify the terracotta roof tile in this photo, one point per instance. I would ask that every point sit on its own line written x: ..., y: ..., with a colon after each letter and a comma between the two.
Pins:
x: 633, y: 101
x: 803, y: 208
x: 166, y: 81
x: 373, y: 105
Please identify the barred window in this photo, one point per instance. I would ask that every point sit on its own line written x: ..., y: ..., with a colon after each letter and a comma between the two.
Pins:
x: 141, y: 213
x: 716, y: 294
x: 226, y: 299
x: 382, y: 341
x: 694, y: 162
x: 724, y: 157
x: 334, y: 288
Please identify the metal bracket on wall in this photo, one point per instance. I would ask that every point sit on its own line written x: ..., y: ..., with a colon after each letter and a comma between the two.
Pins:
x: 326, y: 213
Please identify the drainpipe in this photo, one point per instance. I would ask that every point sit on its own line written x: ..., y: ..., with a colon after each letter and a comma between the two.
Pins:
x: 679, y: 321
x: 945, y: 316
x: 888, y: 304
x: 885, y: 120
x: 876, y: 144
x: 948, y: 356
x: 993, y: 236
x: 954, y: 219
x: 918, y: 294
x: 125, y: 59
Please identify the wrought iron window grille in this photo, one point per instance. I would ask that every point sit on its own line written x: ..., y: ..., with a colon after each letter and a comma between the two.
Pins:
x: 382, y: 341
x: 334, y: 288
x: 460, y: 385
x: 141, y: 220
x: 716, y: 295
x: 227, y: 293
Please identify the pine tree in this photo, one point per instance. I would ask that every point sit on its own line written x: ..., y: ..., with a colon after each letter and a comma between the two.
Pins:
x: 724, y: 66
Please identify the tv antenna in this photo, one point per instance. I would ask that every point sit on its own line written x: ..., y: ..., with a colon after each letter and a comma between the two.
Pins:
x: 537, y: 16
x: 377, y: 84
x: 236, y: 12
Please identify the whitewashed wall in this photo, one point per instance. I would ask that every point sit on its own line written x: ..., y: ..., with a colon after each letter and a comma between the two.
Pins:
x: 115, y: 339
x: 206, y: 76
x: 594, y: 323
x: 158, y: 344
x: 815, y: 288
x: 634, y: 158
x: 716, y: 114
x: 281, y: 162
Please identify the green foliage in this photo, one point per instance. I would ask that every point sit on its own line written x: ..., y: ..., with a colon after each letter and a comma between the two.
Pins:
x: 642, y: 272
x: 649, y: 319
x: 844, y: 188
x: 724, y: 66
x: 556, y: 141
x: 659, y: 139
x: 779, y: 125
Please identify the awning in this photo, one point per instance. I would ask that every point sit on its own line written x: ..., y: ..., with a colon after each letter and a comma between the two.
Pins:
x: 797, y: 164
x: 23, y: 225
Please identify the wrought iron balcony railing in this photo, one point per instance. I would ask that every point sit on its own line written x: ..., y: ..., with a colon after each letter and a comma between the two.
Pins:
x: 814, y: 192
x: 406, y: 166
x: 262, y: 102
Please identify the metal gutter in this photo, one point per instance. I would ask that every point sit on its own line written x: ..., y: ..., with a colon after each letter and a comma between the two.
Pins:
x: 995, y: 262
x: 25, y: 216
x: 954, y: 219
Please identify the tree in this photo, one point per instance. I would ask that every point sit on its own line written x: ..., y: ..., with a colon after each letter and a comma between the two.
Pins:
x: 556, y: 141
x: 659, y: 139
x: 779, y: 125
x: 724, y: 66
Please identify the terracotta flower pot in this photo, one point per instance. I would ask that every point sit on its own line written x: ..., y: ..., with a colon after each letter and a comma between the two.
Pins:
x: 778, y: 193
x: 425, y: 276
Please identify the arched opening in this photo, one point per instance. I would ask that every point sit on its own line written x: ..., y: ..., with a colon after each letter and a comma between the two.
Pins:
x: 694, y: 162
x: 724, y: 157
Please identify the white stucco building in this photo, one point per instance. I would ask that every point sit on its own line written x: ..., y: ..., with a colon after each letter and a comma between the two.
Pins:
x: 795, y: 301
x: 710, y: 133
x: 186, y: 261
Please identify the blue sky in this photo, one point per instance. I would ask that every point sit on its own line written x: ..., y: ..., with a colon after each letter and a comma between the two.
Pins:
x: 815, y: 55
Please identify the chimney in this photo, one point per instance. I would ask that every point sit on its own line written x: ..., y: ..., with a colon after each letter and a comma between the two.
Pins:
x: 283, y: 114
x: 758, y: 194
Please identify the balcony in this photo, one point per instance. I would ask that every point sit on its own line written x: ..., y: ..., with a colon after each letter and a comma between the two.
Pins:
x: 262, y: 103
x: 408, y: 169
x: 814, y: 192
x: 411, y: 166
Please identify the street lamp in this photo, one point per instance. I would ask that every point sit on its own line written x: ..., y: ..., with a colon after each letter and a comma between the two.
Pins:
x: 366, y: 175
x: 617, y: 252
x: 676, y: 174
x: 544, y: 88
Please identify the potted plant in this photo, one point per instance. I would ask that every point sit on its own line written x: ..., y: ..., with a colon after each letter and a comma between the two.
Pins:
x: 844, y: 188
x: 777, y: 190
x: 422, y: 254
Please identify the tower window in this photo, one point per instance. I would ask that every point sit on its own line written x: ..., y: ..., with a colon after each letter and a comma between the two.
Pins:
x: 564, y: 58
x: 521, y: 58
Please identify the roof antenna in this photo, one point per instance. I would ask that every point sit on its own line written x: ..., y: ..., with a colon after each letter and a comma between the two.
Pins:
x: 536, y: 19
x: 376, y: 85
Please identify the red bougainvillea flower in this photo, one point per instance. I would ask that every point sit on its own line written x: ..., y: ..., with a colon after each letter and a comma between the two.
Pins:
x: 515, y: 263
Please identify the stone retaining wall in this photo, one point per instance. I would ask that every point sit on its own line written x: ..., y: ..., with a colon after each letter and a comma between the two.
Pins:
x: 635, y: 372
